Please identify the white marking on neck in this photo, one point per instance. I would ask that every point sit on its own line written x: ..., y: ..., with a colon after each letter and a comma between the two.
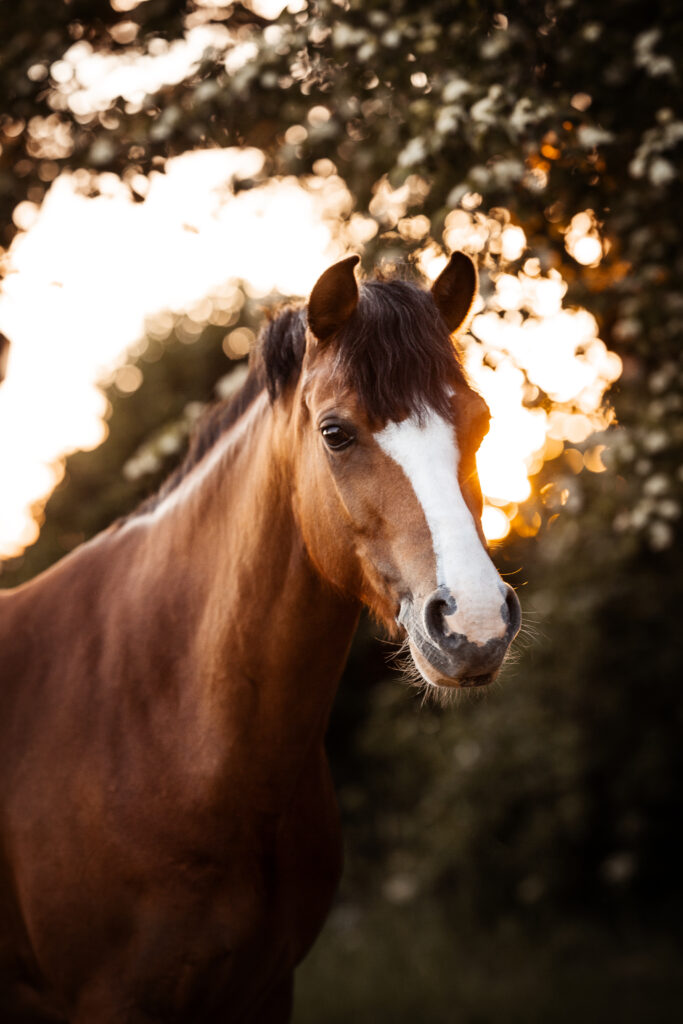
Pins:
x: 198, y: 474
x: 428, y: 455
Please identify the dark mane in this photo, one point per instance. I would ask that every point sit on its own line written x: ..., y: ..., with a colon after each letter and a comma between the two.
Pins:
x: 395, y: 352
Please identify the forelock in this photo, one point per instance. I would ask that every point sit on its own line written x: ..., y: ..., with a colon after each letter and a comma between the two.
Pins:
x: 395, y: 352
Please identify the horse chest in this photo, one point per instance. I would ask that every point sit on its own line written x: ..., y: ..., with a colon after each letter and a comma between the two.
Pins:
x: 183, y: 915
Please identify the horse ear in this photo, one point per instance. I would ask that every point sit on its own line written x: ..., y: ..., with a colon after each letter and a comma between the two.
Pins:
x: 333, y: 299
x: 455, y: 290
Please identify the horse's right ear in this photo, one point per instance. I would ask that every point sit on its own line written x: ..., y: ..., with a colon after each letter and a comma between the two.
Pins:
x: 455, y: 290
x: 333, y: 299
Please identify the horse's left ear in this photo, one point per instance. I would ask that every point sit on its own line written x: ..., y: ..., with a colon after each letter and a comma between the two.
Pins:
x: 333, y: 299
x: 455, y: 290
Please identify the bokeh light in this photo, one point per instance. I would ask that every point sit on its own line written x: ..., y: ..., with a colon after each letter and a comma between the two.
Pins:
x: 86, y: 81
x: 582, y: 239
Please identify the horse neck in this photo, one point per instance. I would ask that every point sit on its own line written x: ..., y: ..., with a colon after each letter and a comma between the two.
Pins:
x: 253, y: 640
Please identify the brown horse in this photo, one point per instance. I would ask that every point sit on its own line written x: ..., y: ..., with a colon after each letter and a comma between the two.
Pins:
x: 170, y: 839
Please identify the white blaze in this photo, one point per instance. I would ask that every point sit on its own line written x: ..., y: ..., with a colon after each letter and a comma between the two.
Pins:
x: 429, y: 457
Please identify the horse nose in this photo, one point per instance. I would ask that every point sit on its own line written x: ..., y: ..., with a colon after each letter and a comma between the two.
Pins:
x: 442, y: 603
x: 475, y: 659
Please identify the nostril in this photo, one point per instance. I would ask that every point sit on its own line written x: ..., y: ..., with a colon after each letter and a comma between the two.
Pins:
x: 437, y: 606
x: 434, y: 612
x: 513, y: 611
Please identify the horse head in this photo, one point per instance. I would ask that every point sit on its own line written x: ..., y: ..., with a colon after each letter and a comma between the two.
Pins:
x: 383, y: 467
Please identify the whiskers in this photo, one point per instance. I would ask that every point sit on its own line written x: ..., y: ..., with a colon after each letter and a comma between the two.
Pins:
x: 530, y: 635
x: 402, y: 661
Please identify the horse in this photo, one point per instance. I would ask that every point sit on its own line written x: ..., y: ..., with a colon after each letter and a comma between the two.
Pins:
x: 170, y: 834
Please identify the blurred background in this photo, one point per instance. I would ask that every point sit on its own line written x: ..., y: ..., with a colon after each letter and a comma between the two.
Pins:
x: 170, y: 169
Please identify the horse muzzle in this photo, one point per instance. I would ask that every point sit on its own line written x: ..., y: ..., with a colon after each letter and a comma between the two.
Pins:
x: 447, y: 656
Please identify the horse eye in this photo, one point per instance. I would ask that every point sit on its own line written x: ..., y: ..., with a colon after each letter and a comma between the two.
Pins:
x: 336, y: 437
